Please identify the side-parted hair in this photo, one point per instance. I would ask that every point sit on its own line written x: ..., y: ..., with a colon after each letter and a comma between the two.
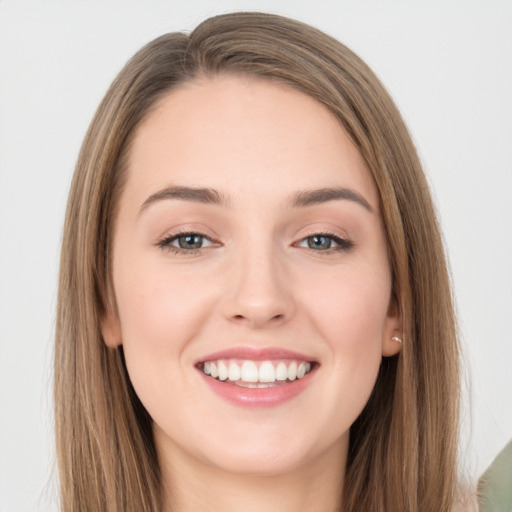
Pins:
x: 402, y: 452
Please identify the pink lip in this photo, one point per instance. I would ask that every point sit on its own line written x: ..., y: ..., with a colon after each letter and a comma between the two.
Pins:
x: 257, y: 397
x: 262, y: 397
x: 255, y: 354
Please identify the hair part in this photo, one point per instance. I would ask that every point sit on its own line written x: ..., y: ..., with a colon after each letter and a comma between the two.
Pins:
x: 402, y: 454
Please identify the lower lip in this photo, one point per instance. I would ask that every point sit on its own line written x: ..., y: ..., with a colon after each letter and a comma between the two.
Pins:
x: 258, y: 397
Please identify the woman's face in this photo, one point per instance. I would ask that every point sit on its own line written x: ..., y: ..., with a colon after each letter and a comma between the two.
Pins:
x: 251, y: 277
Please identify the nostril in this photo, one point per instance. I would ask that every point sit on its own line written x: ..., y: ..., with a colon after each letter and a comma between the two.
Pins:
x: 273, y: 318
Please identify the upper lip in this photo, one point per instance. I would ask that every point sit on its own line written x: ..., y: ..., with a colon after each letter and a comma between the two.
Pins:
x: 255, y: 354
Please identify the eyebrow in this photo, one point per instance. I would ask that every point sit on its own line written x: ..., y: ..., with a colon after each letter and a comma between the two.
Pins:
x: 196, y: 195
x: 323, y: 195
x: 300, y: 199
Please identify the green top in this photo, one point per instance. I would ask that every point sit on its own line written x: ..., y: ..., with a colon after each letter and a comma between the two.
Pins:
x: 495, y: 485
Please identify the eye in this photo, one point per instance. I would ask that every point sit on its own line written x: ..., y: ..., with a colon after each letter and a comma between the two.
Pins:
x: 326, y: 242
x: 189, y: 242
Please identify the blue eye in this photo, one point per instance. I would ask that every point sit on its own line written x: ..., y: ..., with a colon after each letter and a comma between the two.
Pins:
x: 319, y: 242
x: 189, y: 241
x: 185, y: 242
x: 324, y: 242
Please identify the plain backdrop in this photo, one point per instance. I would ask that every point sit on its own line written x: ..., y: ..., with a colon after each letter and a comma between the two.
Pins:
x: 449, y: 67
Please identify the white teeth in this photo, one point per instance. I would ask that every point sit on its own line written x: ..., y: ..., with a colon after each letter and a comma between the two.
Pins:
x: 223, y: 371
x: 234, y: 372
x: 292, y: 371
x: 281, y: 372
x: 267, y: 372
x: 248, y: 374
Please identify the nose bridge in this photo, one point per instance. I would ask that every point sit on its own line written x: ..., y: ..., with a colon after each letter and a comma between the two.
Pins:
x: 259, y: 293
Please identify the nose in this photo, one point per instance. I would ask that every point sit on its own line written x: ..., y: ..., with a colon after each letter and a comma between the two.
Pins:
x: 259, y: 295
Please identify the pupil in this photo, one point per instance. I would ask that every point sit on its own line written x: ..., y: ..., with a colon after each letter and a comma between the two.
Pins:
x: 319, y: 242
x: 190, y: 241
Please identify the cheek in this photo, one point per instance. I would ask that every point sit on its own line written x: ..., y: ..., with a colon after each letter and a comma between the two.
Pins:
x: 351, y: 307
x: 160, y: 312
x: 158, y: 307
x: 350, y: 313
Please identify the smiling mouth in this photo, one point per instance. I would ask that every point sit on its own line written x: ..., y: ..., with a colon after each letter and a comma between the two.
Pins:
x: 256, y: 374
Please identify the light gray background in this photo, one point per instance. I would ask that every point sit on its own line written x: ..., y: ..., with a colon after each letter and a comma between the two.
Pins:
x: 449, y: 67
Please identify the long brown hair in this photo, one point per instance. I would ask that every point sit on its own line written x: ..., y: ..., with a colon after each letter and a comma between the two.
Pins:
x: 402, y: 454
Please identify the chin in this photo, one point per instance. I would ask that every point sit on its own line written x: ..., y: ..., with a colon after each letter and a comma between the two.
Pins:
x: 269, y: 452
x: 266, y: 462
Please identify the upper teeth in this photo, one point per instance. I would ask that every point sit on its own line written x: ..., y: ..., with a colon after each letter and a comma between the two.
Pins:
x: 249, y: 371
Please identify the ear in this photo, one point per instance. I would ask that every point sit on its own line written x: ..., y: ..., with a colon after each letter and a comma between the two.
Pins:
x: 111, y: 329
x: 393, y: 329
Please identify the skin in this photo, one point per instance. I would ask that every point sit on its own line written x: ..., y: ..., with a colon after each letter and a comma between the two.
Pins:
x: 255, y: 282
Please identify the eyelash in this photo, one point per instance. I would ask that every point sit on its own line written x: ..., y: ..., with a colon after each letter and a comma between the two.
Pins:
x: 166, y: 242
x: 342, y: 244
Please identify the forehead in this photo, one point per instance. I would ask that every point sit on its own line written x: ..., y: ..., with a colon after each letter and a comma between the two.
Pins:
x: 235, y: 133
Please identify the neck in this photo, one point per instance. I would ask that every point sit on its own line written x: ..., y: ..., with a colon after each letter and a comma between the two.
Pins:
x: 192, y: 486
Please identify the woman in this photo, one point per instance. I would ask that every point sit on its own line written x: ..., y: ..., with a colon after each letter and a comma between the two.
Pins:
x: 254, y: 307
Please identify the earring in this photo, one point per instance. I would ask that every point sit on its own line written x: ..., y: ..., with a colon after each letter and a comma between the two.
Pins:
x: 396, y: 338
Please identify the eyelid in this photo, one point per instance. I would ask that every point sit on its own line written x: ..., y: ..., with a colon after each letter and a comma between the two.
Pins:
x: 188, y: 228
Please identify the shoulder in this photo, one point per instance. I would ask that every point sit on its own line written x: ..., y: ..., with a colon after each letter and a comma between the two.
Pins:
x: 495, y: 485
